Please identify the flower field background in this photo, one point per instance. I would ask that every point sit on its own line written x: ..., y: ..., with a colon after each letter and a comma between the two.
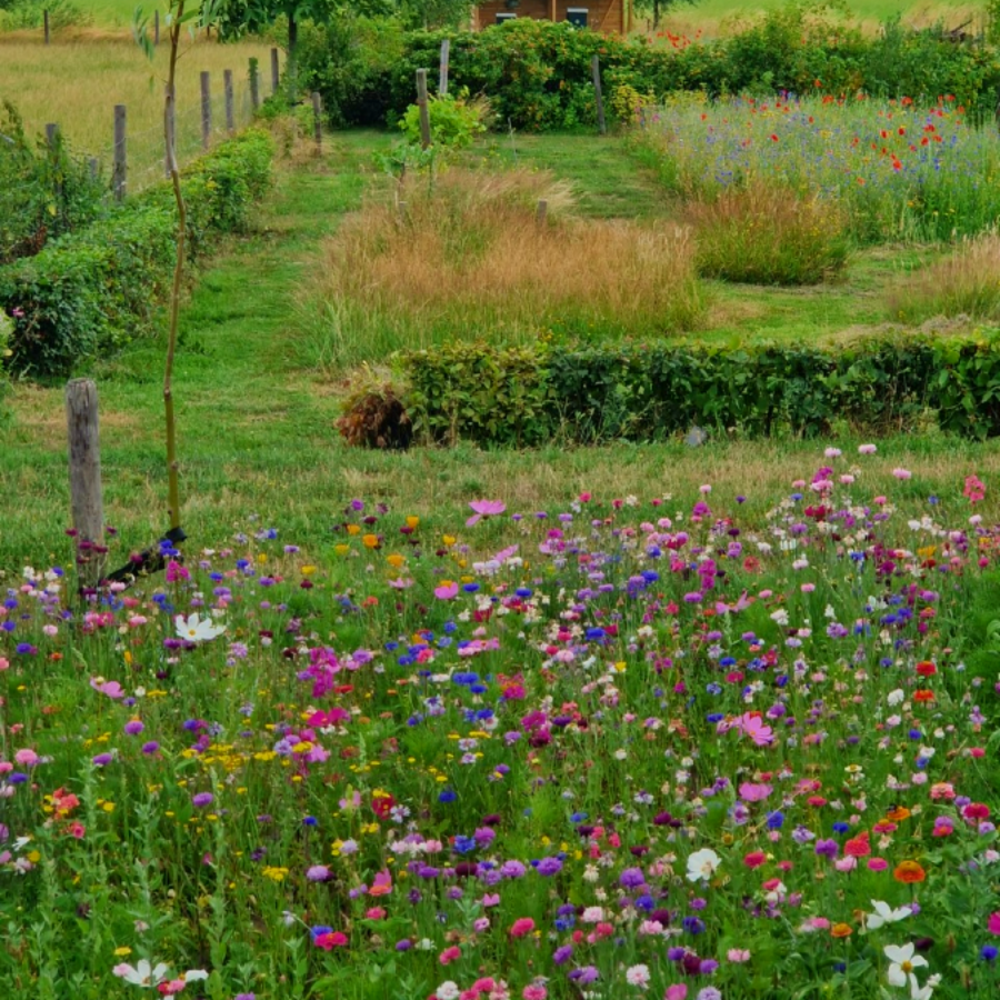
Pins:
x: 707, y: 719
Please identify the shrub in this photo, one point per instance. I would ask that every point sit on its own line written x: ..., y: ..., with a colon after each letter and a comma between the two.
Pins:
x: 469, y: 258
x: 91, y: 291
x: 966, y: 282
x: 373, y: 413
x: 44, y: 191
x: 454, y: 121
x: 532, y: 395
x: 768, y: 235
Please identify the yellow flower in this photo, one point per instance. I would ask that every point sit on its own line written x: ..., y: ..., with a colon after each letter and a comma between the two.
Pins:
x: 396, y: 560
x: 412, y: 522
x: 371, y: 541
x: 308, y: 570
x: 123, y: 952
x: 354, y: 529
x: 448, y: 539
x: 341, y: 550
x: 275, y: 874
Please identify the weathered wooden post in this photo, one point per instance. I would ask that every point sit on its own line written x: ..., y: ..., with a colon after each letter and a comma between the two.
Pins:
x: 317, y: 102
x: 274, y: 72
x: 46, y: 22
x: 443, y: 71
x: 206, y: 109
x: 119, y: 172
x: 156, y: 27
x: 425, y: 115
x: 542, y: 213
x: 595, y: 66
x: 85, y: 479
x: 93, y: 167
x: 254, y: 83
x: 51, y: 136
x: 227, y: 86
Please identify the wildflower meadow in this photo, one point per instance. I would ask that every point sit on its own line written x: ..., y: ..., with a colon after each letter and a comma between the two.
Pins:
x: 672, y: 746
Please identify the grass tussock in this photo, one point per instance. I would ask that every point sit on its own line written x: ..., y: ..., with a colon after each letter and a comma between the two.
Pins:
x: 465, y: 255
x: 768, y: 235
x: 966, y: 282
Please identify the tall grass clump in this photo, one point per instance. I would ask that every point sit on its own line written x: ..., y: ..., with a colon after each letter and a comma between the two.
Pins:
x: 966, y: 282
x: 466, y: 256
x: 900, y: 171
x: 768, y: 235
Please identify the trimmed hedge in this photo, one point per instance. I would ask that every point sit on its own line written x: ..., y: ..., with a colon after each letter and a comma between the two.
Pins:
x: 529, y: 396
x: 90, y: 292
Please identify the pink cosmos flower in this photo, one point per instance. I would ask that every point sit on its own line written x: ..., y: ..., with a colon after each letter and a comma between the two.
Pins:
x: 676, y: 991
x: 484, y: 508
x: 446, y: 591
x: 867, y: 449
x: 753, y: 726
x: 902, y: 473
x: 738, y: 955
x: 111, y: 688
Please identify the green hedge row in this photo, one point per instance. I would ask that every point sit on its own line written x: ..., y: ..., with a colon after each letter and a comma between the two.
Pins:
x: 537, y: 74
x: 93, y: 290
x: 530, y: 396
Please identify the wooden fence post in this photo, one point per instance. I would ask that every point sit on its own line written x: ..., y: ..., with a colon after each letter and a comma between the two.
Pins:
x: 595, y: 66
x: 119, y: 171
x: 317, y: 102
x: 443, y: 72
x: 541, y: 213
x: 274, y: 72
x: 46, y: 21
x: 85, y: 479
x: 93, y: 167
x: 425, y: 115
x: 227, y: 85
x: 254, y: 83
x: 206, y: 110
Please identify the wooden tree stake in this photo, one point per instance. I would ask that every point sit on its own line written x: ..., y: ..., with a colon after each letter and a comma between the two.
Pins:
x: 595, y: 66
x: 425, y: 115
x: 443, y: 72
x: 85, y: 479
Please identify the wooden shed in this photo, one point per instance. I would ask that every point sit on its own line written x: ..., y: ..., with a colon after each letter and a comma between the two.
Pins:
x: 607, y: 16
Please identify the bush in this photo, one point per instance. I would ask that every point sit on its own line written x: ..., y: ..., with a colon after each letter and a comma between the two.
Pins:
x: 530, y: 396
x: 91, y: 291
x: 537, y: 74
x: 768, y: 235
x: 44, y: 191
x: 454, y: 121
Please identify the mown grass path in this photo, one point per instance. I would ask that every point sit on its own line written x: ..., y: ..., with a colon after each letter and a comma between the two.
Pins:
x: 256, y: 434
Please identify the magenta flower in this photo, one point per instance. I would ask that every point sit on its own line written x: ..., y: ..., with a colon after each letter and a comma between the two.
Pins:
x: 484, y: 508
x: 446, y: 591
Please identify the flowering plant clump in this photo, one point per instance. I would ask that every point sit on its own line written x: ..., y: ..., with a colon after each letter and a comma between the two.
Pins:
x: 619, y: 747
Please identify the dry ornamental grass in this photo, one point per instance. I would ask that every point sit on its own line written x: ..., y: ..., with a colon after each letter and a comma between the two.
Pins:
x: 465, y: 255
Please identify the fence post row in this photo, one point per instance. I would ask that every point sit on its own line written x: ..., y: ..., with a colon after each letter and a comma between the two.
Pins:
x: 227, y: 86
x: 443, y: 71
x: 206, y: 110
x: 317, y: 120
x: 254, y: 83
x: 119, y: 171
x: 595, y: 67
x: 425, y: 117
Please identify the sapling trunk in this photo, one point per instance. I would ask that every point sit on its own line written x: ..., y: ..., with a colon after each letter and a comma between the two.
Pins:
x: 173, y: 487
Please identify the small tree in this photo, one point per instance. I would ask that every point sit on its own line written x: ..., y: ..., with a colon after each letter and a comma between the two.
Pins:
x: 657, y: 7
x: 235, y: 18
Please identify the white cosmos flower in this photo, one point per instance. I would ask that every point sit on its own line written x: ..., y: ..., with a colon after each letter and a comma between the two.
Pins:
x: 885, y: 914
x: 902, y: 962
x: 142, y: 973
x: 195, y: 629
x: 702, y: 865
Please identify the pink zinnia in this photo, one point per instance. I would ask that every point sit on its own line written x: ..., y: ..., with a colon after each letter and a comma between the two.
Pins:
x: 522, y: 926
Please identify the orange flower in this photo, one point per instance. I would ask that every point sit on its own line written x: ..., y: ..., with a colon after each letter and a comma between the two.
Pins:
x: 923, y: 695
x: 841, y: 930
x: 898, y: 814
x: 926, y: 669
x: 909, y: 872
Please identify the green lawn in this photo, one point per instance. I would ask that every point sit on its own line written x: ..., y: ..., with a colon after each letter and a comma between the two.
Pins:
x: 256, y: 428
